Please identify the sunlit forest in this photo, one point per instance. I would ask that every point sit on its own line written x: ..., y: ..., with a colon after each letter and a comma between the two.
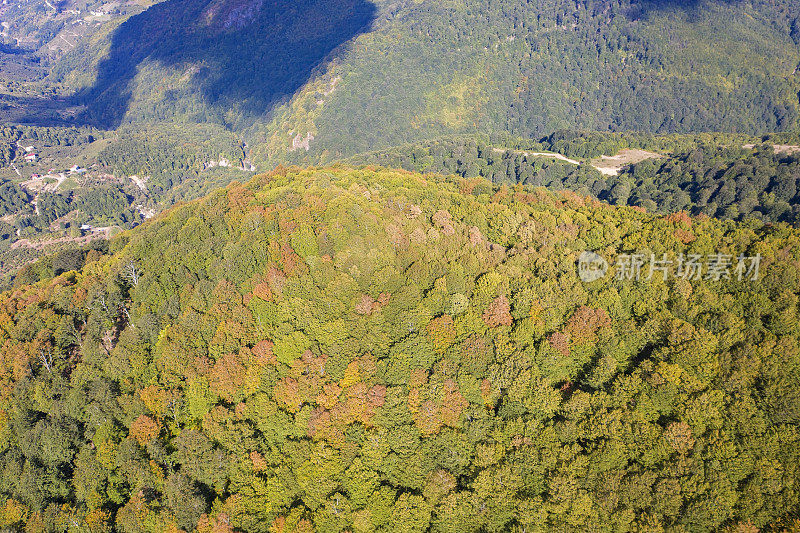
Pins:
x: 336, y: 349
x: 715, y: 175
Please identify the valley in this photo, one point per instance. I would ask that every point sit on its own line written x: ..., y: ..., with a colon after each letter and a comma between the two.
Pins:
x: 65, y: 186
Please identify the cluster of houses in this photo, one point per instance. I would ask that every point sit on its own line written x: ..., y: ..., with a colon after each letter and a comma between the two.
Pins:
x: 52, y: 173
x: 30, y: 153
x: 31, y: 157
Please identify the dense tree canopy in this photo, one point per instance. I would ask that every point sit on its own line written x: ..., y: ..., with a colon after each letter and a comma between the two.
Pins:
x: 716, y: 175
x: 362, y: 350
x: 348, y: 76
x: 431, y: 68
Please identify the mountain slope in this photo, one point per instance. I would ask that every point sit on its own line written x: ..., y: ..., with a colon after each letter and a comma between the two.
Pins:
x: 530, y: 69
x: 314, y: 81
x: 222, y: 61
x: 334, y: 350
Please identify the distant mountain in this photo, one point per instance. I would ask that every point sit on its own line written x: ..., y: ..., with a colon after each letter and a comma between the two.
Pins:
x: 222, y: 61
x: 313, y: 81
x: 532, y: 68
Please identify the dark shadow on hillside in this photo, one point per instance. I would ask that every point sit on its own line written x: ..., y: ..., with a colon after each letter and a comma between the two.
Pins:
x: 240, y: 56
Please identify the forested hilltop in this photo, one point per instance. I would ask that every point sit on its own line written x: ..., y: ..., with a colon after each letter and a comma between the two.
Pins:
x: 358, y: 350
x: 84, y: 182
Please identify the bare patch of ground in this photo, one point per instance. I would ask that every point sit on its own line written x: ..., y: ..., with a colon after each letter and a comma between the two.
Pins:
x: 47, y: 183
x: 611, y: 165
x: 539, y: 154
x: 97, y: 233
x: 779, y: 148
x: 302, y: 142
x: 140, y: 182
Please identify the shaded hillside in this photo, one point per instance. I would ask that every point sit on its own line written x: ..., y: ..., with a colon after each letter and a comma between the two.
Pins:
x: 339, y: 350
x: 228, y: 61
